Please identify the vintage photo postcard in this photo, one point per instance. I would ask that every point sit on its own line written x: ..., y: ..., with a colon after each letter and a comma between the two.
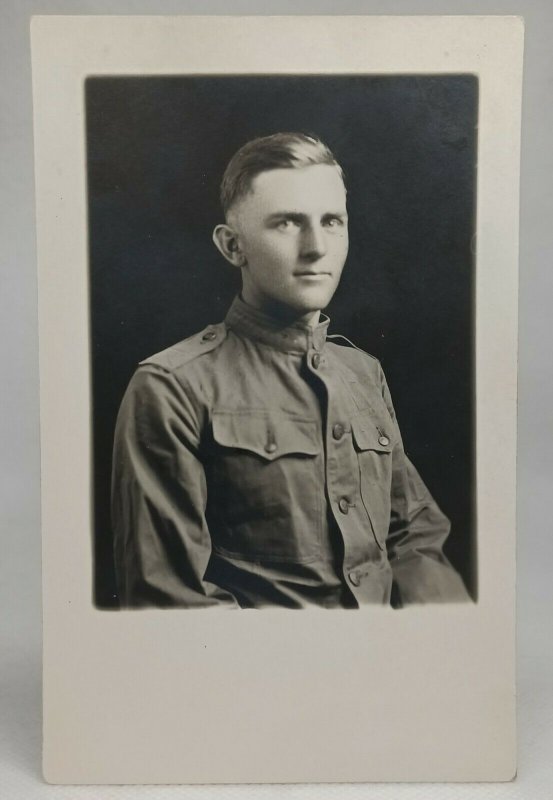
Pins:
x: 277, y: 264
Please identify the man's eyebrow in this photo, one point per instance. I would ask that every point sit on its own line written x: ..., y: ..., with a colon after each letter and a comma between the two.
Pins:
x: 287, y: 214
x: 297, y: 215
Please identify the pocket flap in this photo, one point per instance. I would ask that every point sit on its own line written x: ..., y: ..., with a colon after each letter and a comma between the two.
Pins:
x: 368, y: 434
x: 267, y: 435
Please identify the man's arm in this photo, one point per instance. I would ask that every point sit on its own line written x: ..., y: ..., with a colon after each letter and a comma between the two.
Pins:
x: 418, y: 530
x: 161, y: 541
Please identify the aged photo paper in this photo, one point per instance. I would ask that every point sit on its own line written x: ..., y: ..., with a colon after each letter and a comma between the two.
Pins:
x: 135, y: 119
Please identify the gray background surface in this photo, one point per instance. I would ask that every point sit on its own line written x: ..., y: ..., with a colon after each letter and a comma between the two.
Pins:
x: 20, y: 579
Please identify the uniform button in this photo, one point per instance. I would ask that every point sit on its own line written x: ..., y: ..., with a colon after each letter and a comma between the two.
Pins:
x: 209, y: 336
x: 354, y: 578
x: 343, y: 505
x: 270, y: 447
x: 338, y: 431
x: 316, y: 361
x: 384, y: 441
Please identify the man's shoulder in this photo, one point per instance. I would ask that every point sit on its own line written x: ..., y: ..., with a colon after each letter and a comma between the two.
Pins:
x: 352, y: 355
x: 190, y: 349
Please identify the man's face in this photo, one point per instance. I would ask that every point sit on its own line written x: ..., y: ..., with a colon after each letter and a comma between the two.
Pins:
x: 292, y: 231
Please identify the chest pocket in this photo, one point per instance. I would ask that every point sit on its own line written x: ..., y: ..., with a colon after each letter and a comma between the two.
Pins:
x: 265, y: 486
x: 374, y: 444
x: 268, y: 436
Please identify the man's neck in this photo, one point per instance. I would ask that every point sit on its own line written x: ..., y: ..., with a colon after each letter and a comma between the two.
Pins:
x: 312, y: 318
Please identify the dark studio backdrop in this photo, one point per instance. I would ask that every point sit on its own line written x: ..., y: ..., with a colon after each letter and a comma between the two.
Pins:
x: 156, y: 151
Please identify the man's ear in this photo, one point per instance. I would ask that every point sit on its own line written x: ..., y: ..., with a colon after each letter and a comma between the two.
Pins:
x: 226, y: 241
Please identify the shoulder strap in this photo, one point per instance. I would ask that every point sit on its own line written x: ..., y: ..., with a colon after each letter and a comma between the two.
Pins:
x: 189, y: 349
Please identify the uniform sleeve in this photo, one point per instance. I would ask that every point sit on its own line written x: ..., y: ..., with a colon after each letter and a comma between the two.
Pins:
x: 418, y: 531
x: 161, y: 540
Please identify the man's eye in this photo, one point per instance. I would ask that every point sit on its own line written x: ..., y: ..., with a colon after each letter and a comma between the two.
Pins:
x: 287, y: 224
x: 334, y: 222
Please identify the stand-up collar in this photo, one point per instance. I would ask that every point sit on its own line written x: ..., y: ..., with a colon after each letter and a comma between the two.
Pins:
x: 298, y: 337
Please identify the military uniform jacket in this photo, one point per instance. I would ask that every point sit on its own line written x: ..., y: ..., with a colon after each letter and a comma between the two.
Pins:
x: 256, y: 464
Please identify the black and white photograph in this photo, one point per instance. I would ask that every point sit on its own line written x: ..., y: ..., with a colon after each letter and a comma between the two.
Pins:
x: 277, y: 293
x: 282, y: 274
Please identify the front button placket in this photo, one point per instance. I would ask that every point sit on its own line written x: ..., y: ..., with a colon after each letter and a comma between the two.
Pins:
x: 342, y: 479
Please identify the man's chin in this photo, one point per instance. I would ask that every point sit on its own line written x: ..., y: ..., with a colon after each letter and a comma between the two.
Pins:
x: 298, y: 306
x: 315, y: 303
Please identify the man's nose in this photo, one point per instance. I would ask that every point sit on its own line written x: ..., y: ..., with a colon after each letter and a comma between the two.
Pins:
x: 313, y: 243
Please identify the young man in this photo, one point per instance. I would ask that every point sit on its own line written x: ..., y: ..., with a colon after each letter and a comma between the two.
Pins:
x: 257, y: 463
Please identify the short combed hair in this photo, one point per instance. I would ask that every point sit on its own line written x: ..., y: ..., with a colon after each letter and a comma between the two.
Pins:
x: 278, y: 151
